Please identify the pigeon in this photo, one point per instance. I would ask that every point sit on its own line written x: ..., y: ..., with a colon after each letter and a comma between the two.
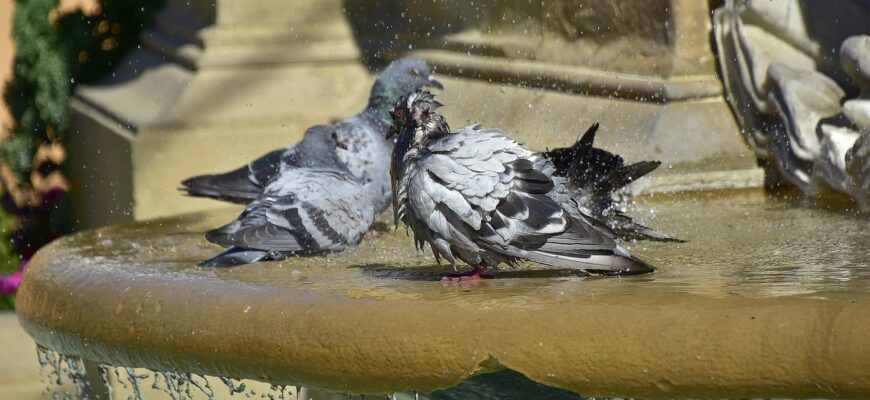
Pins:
x: 597, y: 178
x: 367, y: 154
x: 313, y: 205
x: 477, y: 195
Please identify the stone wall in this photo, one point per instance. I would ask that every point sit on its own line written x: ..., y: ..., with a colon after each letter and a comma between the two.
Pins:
x: 216, y: 86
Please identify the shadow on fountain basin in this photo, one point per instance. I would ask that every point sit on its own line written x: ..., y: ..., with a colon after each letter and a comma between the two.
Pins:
x: 499, y: 385
x: 435, y: 272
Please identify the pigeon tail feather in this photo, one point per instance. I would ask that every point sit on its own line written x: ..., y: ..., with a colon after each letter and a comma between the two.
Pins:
x: 233, y: 187
x: 235, y: 256
x: 238, y: 185
x: 596, y: 264
x: 595, y: 176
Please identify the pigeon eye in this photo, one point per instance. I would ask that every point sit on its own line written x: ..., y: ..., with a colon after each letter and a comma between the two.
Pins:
x: 399, y: 113
x: 415, y: 72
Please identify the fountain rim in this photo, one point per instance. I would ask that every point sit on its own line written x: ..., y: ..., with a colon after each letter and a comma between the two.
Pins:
x: 338, y: 342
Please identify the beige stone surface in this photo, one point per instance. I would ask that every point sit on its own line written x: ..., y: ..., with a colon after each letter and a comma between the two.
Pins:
x: 19, y: 369
x: 761, y: 302
x: 659, y: 38
x: 184, y: 125
x: 695, y: 135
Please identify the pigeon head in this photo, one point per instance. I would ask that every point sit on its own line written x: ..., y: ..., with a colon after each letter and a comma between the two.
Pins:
x: 406, y: 75
x: 401, y: 78
x: 318, y: 148
x: 417, y: 110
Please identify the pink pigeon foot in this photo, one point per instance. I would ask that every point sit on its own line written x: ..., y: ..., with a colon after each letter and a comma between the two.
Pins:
x: 475, y: 274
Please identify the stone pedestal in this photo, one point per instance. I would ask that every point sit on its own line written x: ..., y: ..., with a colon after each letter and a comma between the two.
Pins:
x: 218, y: 83
x: 215, y: 84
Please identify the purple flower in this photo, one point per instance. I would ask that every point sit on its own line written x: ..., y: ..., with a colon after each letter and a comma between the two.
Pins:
x: 9, y: 283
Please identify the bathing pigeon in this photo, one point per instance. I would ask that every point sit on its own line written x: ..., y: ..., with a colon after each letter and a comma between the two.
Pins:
x: 596, y: 178
x: 313, y: 205
x: 367, y: 154
x: 479, y: 196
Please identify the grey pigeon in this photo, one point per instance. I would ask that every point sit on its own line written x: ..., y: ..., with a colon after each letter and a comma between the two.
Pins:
x: 367, y: 154
x: 476, y: 195
x: 313, y: 205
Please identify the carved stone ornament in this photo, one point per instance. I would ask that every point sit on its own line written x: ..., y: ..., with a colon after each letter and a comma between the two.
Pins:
x: 788, y: 66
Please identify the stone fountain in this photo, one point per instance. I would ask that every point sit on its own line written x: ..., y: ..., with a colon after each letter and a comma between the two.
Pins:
x: 798, y: 77
x: 762, y: 301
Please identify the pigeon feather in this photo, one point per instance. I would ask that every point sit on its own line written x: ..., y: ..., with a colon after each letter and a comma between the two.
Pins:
x: 313, y: 206
x: 598, y: 179
x: 367, y: 153
x: 477, y: 195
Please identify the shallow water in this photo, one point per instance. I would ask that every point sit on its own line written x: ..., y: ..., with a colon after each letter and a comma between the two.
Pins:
x: 751, y: 244
x: 741, y: 242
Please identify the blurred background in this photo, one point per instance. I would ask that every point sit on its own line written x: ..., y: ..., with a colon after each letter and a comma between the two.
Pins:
x: 47, y: 49
x: 109, y: 104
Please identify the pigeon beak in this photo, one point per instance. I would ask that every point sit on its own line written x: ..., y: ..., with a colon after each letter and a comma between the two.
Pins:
x: 340, y: 145
x: 434, y: 83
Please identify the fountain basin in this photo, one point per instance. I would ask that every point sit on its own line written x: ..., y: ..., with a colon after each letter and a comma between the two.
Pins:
x: 769, y: 298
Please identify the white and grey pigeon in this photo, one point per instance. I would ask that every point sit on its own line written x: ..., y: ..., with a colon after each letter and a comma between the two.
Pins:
x: 313, y: 205
x: 367, y: 154
x: 476, y: 195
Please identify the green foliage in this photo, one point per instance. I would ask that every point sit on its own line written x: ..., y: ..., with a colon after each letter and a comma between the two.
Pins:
x: 39, y: 73
x: 8, y: 259
x: 51, y: 57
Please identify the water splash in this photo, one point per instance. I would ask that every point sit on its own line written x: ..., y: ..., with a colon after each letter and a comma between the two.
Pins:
x: 140, y: 384
x: 64, y: 377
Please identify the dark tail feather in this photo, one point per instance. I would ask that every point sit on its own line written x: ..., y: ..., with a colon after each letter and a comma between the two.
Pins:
x: 233, y: 186
x: 625, y: 175
x: 627, y: 229
x: 588, y: 169
x: 595, y: 175
x: 241, y: 185
x: 584, y: 145
x: 582, y: 155
x: 235, y: 256
x: 564, y: 157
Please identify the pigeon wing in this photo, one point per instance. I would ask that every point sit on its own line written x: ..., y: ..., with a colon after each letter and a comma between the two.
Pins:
x: 303, y: 211
x: 479, y: 186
